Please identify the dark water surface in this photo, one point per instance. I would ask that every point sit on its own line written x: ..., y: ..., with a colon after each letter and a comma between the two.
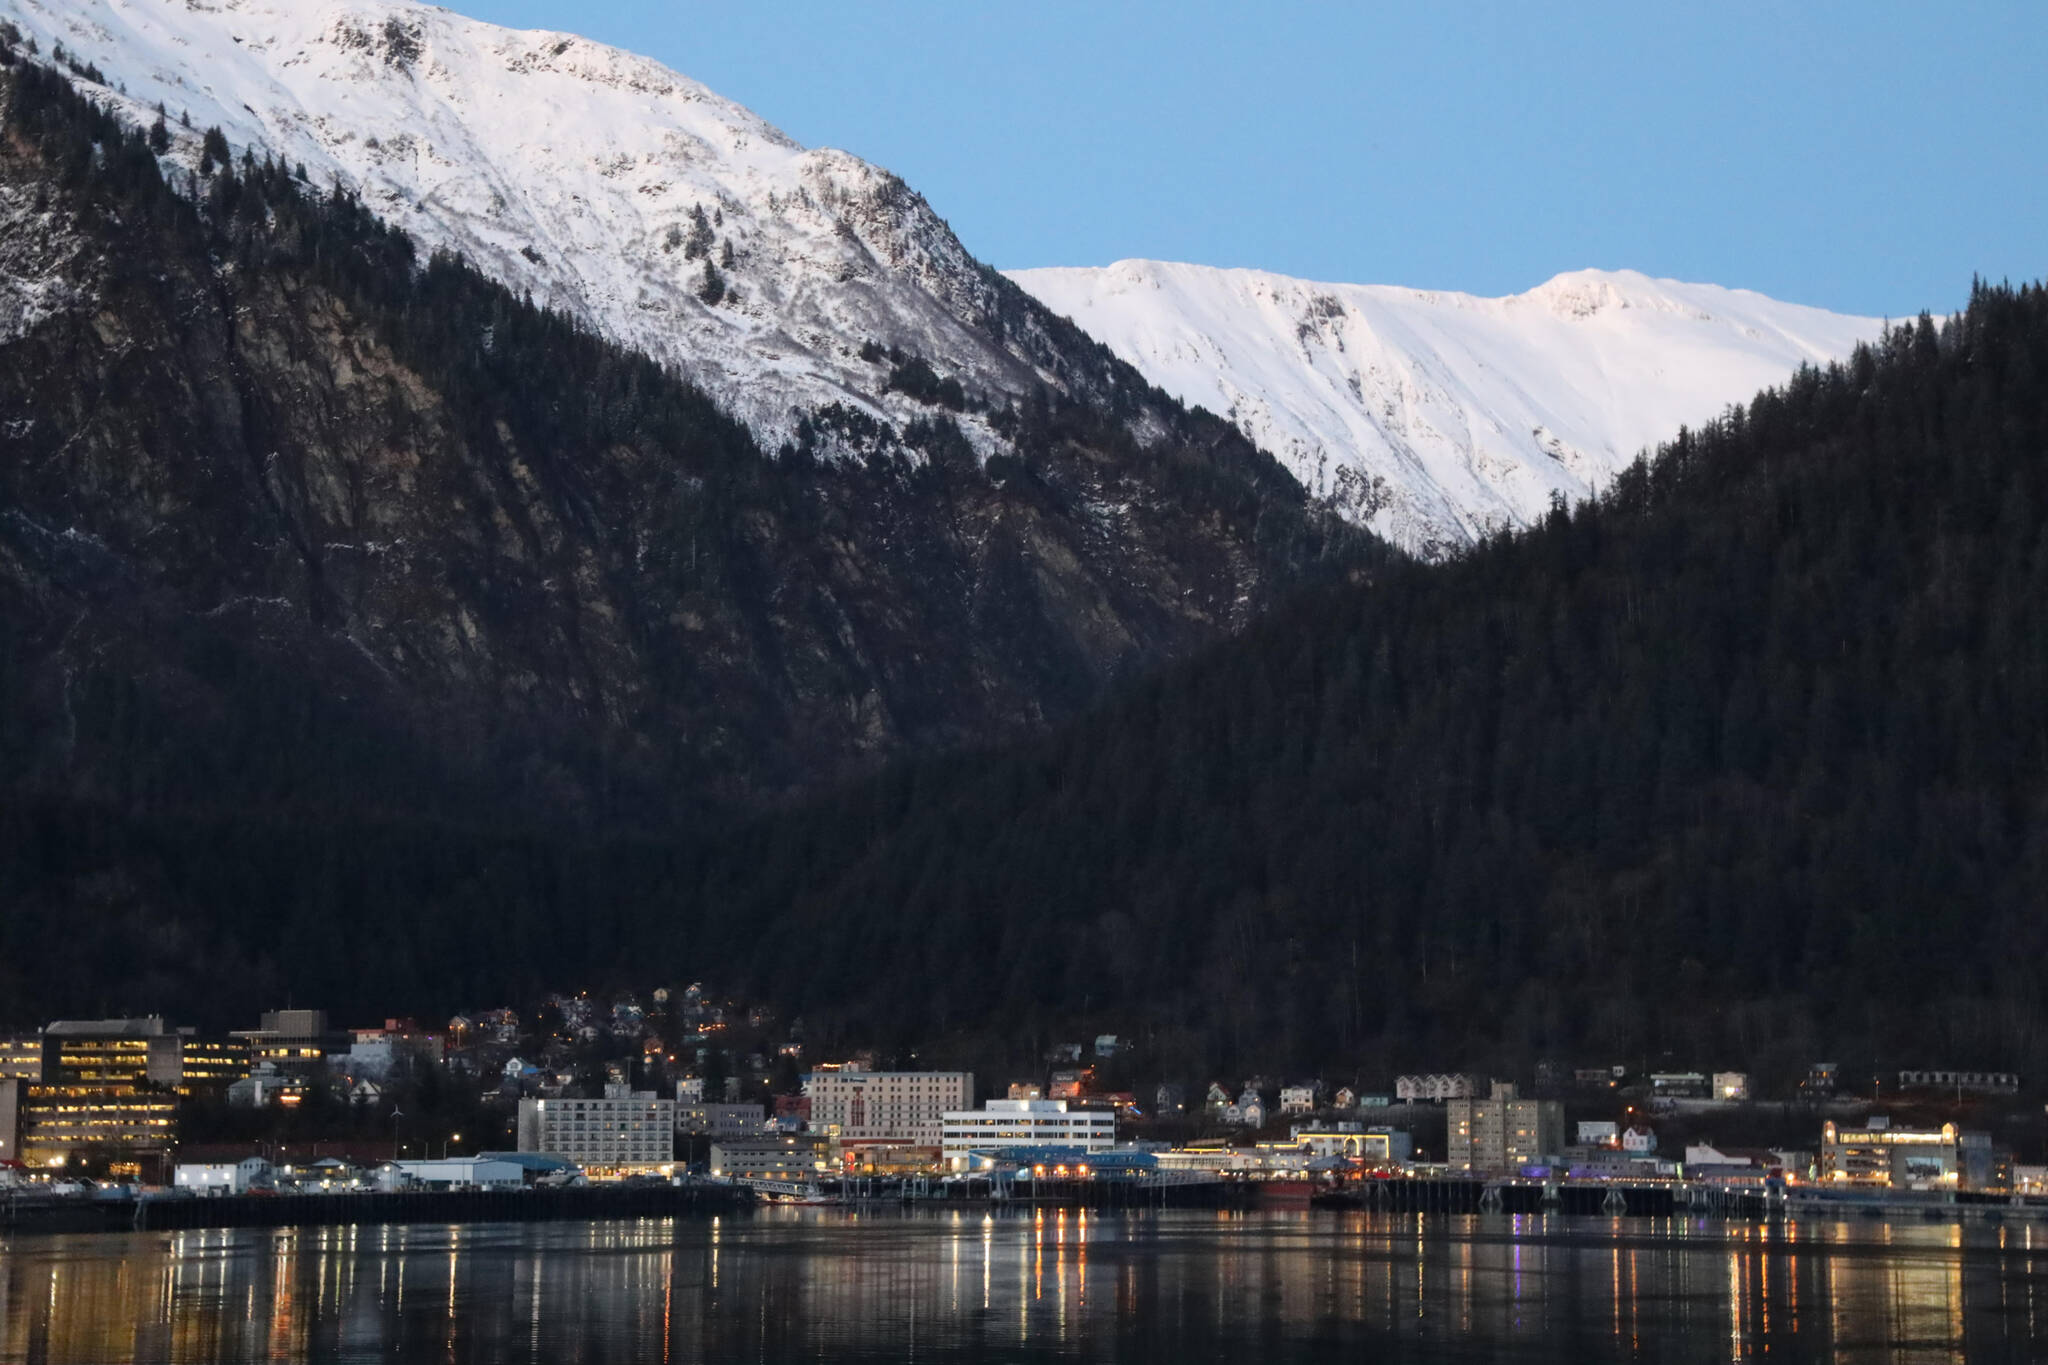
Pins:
x: 828, y: 1285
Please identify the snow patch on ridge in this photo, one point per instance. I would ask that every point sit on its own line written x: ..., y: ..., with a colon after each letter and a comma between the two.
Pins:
x: 1434, y: 417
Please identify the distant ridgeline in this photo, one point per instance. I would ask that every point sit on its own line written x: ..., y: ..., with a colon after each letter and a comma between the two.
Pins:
x: 1746, y: 761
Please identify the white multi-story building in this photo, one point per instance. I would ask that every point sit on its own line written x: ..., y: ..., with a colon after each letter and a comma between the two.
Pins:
x: 627, y: 1128
x: 907, y: 1106
x: 1024, y: 1123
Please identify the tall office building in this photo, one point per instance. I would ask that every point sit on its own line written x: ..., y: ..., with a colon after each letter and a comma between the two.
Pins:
x: 1502, y: 1133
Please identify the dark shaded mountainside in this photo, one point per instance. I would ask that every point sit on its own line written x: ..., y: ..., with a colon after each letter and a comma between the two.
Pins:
x: 1748, y: 760
x: 291, y: 521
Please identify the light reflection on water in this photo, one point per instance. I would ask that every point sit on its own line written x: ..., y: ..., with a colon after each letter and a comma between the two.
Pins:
x: 824, y: 1284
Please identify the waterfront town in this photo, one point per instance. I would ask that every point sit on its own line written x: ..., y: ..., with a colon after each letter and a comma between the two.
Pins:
x: 683, y: 1089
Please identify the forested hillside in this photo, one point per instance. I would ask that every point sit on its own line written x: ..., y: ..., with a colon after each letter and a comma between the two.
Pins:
x: 1748, y: 760
x: 325, y: 564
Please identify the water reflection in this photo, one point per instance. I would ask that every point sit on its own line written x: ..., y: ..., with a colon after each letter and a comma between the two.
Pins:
x: 823, y: 1284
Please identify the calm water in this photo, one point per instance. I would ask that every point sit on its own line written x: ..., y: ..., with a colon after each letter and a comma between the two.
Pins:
x: 827, y: 1285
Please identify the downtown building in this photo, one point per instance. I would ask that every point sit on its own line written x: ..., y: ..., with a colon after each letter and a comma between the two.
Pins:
x: 1501, y: 1133
x: 624, y: 1130
x: 86, y: 1088
x: 862, y: 1107
x: 1003, y: 1124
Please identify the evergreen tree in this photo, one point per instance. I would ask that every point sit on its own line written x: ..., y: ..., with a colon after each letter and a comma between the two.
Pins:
x: 697, y: 244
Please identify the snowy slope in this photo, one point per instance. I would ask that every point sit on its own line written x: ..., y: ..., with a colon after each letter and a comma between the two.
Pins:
x: 1432, y: 417
x: 577, y: 172
x: 571, y: 170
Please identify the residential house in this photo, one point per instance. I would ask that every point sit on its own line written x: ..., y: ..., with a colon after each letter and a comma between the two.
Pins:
x: 1434, y: 1087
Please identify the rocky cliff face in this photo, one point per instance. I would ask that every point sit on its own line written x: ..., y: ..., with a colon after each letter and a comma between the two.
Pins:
x: 289, y: 516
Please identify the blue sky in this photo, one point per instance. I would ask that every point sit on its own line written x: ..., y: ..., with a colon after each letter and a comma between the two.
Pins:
x: 1863, y: 157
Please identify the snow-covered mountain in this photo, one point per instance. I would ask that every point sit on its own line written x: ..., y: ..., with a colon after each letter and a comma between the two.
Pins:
x: 577, y: 172
x: 1434, y: 417
x: 679, y: 223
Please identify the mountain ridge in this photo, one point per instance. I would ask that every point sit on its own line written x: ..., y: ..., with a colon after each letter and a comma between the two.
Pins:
x: 669, y: 219
x: 1432, y: 417
x: 787, y: 281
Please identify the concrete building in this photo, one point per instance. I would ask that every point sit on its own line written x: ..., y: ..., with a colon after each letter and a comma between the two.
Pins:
x: 294, y: 1040
x: 625, y: 1129
x: 1023, y: 1123
x: 44, y: 1125
x: 723, y: 1122
x: 1502, y: 1132
x: 790, y: 1156
x: 131, y: 1052
x: 22, y: 1058
x: 907, y: 1105
x: 1882, y: 1157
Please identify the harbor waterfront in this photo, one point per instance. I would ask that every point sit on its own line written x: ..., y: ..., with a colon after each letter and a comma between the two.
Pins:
x: 785, y: 1283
